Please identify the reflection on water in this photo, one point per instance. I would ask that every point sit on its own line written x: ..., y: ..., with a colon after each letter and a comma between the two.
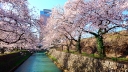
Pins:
x: 38, y: 62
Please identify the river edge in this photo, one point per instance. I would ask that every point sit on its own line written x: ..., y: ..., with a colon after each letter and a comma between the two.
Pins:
x: 55, y: 62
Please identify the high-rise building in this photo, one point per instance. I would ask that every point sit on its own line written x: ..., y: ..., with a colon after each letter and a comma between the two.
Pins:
x: 45, y: 14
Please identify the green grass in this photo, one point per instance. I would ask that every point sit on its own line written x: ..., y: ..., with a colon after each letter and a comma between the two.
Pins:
x: 83, y: 53
x: 71, y: 51
x: 12, y: 52
x: 90, y: 55
x: 97, y: 56
x: 9, y: 53
x: 119, y: 59
x: 51, y: 57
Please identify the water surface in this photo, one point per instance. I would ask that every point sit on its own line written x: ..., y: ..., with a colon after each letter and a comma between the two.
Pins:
x: 38, y: 62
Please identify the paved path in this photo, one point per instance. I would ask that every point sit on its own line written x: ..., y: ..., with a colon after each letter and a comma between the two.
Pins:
x: 38, y: 62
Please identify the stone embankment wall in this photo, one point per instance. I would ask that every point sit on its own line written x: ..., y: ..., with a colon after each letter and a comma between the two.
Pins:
x: 77, y: 63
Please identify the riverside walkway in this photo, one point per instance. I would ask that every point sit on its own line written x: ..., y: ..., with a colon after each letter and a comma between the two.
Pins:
x: 38, y: 62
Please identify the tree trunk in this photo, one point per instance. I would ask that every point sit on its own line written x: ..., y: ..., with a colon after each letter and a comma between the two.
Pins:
x: 78, y: 44
x: 2, y: 51
x: 67, y: 48
x: 79, y: 47
x: 62, y: 47
x: 100, y: 46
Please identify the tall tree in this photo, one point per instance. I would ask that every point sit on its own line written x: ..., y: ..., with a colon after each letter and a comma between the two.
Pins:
x: 61, y: 27
x: 98, y: 17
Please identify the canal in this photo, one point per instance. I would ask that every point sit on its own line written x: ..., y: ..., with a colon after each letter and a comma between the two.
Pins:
x: 38, y: 62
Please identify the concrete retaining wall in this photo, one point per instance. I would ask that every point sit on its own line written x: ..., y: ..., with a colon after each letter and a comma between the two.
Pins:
x: 10, y: 61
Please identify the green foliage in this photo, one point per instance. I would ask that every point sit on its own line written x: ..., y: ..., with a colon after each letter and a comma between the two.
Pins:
x: 84, y: 54
x: 100, y: 47
x: 123, y: 59
x: 97, y: 56
x: 115, y: 36
x: 114, y: 59
x: 46, y: 53
x: 65, y: 51
x: 90, y: 55
x: 71, y: 51
x: 54, y: 59
x: 120, y: 59
x: 51, y: 57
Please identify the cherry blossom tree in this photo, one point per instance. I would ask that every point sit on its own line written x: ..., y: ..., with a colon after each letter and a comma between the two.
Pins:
x: 16, y: 22
x: 98, y: 17
x: 61, y: 31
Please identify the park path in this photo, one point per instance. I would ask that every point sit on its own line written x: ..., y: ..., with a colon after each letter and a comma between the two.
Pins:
x: 38, y: 62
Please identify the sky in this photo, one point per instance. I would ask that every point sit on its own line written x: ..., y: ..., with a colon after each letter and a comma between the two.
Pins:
x: 45, y: 4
